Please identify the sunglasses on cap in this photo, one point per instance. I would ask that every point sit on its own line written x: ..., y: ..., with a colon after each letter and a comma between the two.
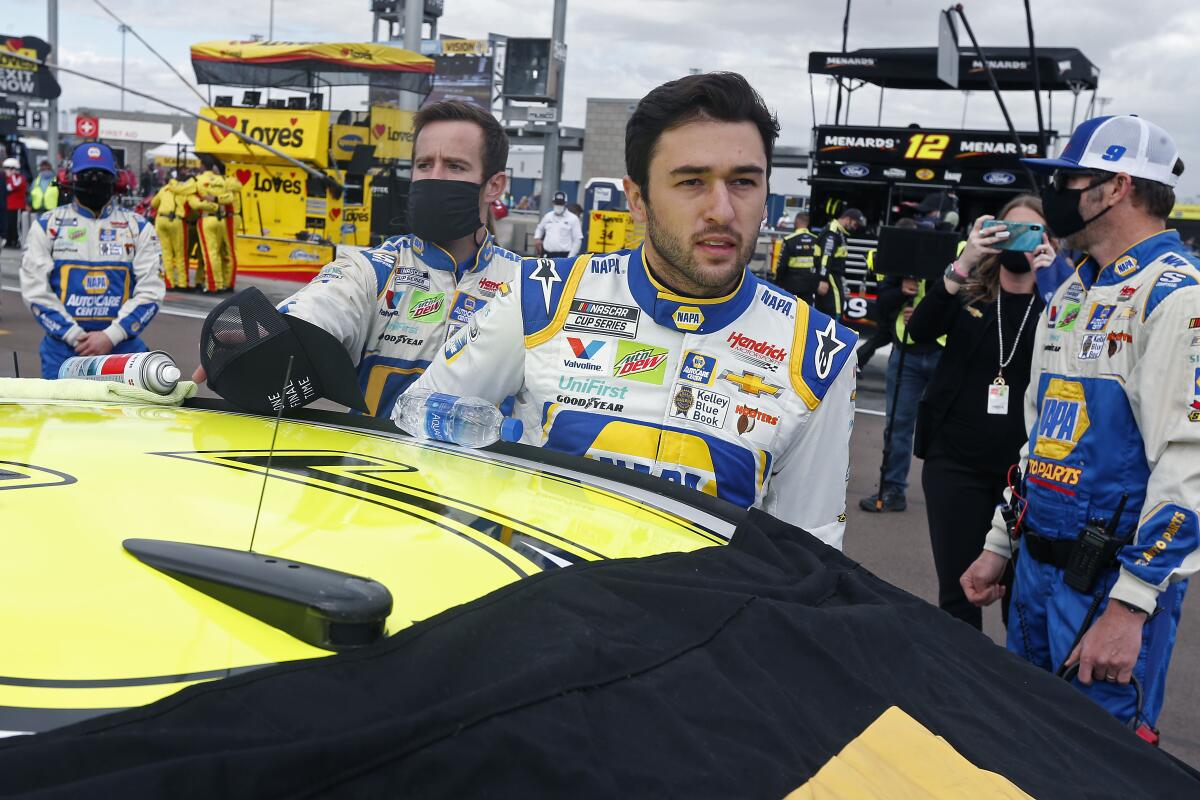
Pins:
x: 1061, y: 177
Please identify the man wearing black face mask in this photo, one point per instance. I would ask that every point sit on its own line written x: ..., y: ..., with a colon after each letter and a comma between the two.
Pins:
x: 393, y: 306
x: 92, y: 271
x: 1109, y: 526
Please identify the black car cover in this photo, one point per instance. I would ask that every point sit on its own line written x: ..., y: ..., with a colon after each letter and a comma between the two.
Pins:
x: 769, y: 667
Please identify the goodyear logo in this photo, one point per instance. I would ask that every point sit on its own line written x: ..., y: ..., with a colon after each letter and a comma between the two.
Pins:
x: 1125, y: 266
x: 1063, y: 419
x: 1059, y: 473
x: 688, y: 318
x: 95, y: 283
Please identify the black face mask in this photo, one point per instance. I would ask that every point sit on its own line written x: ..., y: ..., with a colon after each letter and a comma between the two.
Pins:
x: 1014, y: 261
x: 94, y: 188
x: 1061, y: 207
x: 443, y: 211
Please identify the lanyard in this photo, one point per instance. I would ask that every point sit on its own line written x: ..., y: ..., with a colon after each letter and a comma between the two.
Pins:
x: 1004, y: 362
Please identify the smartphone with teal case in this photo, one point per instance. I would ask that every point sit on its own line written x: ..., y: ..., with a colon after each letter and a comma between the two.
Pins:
x: 1023, y: 237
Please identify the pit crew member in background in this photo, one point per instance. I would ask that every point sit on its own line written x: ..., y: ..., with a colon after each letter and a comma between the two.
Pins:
x: 831, y: 261
x: 796, y: 270
x: 1114, y: 412
x: 559, y: 234
x: 168, y: 205
x: 674, y: 359
x: 393, y: 306
x: 16, y: 199
x: 92, y: 271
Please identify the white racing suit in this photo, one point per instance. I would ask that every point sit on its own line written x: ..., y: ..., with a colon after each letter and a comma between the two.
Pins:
x: 747, y: 397
x: 393, y: 306
x: 1114, y: 408
x: 83, y: 273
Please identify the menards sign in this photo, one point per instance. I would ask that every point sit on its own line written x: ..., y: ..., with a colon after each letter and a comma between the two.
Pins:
x: 923, y: 145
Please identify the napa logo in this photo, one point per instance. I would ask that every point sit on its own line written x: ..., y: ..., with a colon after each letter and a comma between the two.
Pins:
x: 1063, y: 419
x: 688, y: 318
x: 1125, y: 266
x: 95, y: 283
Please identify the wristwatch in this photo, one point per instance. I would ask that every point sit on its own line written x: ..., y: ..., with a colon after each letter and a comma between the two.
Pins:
x: 1132, y: 609
x: 952, y: 274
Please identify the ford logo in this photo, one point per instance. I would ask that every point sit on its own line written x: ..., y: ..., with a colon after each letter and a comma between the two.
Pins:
x: 348, y: 141
x: 263, y: 248
x: 855, y: 170
x: 999, y: 178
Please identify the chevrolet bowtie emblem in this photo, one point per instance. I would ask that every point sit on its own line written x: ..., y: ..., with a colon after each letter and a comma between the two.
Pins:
x: 751, y: 384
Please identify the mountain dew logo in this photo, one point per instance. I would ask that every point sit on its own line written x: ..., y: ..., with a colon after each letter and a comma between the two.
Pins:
x: 640, y: 362
x: 427, y: 307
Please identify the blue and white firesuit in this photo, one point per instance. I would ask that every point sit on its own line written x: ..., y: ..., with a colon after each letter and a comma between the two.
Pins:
x: 1114, y: 408
x: 83, y: 272
x: 747, y: 397
x: 393, y: 306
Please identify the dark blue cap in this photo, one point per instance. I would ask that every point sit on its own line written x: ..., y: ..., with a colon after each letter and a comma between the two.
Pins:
x: 93, y: 155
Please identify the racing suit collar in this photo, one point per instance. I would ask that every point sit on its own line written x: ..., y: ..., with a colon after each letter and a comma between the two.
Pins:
x: 701, y: 315
x: 437, y: 257
x: 1131, y: 262
x: 87, y: 213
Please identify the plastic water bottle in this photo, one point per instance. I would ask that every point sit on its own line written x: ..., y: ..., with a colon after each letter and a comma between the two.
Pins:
x: 465, y: 421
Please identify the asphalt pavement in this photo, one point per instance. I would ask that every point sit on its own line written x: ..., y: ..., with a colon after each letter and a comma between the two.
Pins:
x: 894, y: 546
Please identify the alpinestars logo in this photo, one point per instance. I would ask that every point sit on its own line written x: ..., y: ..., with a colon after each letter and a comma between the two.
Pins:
x: 828, y: 346
x: 762, y: 354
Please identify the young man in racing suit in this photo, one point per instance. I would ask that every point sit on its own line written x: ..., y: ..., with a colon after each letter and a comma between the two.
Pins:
x: 394, y: 305
x: 92, y: 271
x: 673, y: 359
x: 1114, y: 405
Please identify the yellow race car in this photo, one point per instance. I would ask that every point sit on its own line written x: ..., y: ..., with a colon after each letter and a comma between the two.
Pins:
x: 150, y: 548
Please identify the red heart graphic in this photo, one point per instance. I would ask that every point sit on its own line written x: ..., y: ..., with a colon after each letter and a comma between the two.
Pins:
x: 335, y: 213
x: 221, y: 133
x: 293, y: 120
x: 15, y: 44
x: 380, y: 129
x: 243, y: 176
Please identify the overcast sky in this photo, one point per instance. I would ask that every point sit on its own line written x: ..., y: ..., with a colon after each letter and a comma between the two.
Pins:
x: 622, y: 48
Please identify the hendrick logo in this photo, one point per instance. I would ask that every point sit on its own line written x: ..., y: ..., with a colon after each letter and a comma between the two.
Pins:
x: 763, y: 354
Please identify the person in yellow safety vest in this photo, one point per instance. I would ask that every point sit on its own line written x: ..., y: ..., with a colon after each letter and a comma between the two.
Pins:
x: 168, y: 222
x: 831, y: 260
x: 898, y: 296
x: 214, y: 246
x: 43, y: 193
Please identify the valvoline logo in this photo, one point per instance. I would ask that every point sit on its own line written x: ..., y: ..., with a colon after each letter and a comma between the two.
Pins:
x: 586, y: 352
x: 1062, y: 421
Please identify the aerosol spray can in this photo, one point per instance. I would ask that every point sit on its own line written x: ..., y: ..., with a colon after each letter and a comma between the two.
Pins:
x: 153, y: 371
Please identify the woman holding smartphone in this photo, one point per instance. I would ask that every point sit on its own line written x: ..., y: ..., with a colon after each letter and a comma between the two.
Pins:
x: 971, y: 425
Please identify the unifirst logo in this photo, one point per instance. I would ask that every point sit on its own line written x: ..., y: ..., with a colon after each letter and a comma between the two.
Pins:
x: 1063, y: 419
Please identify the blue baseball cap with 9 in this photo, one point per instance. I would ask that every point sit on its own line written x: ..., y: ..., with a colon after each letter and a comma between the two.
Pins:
x: 93, y: 155
x: 1123, y: 143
